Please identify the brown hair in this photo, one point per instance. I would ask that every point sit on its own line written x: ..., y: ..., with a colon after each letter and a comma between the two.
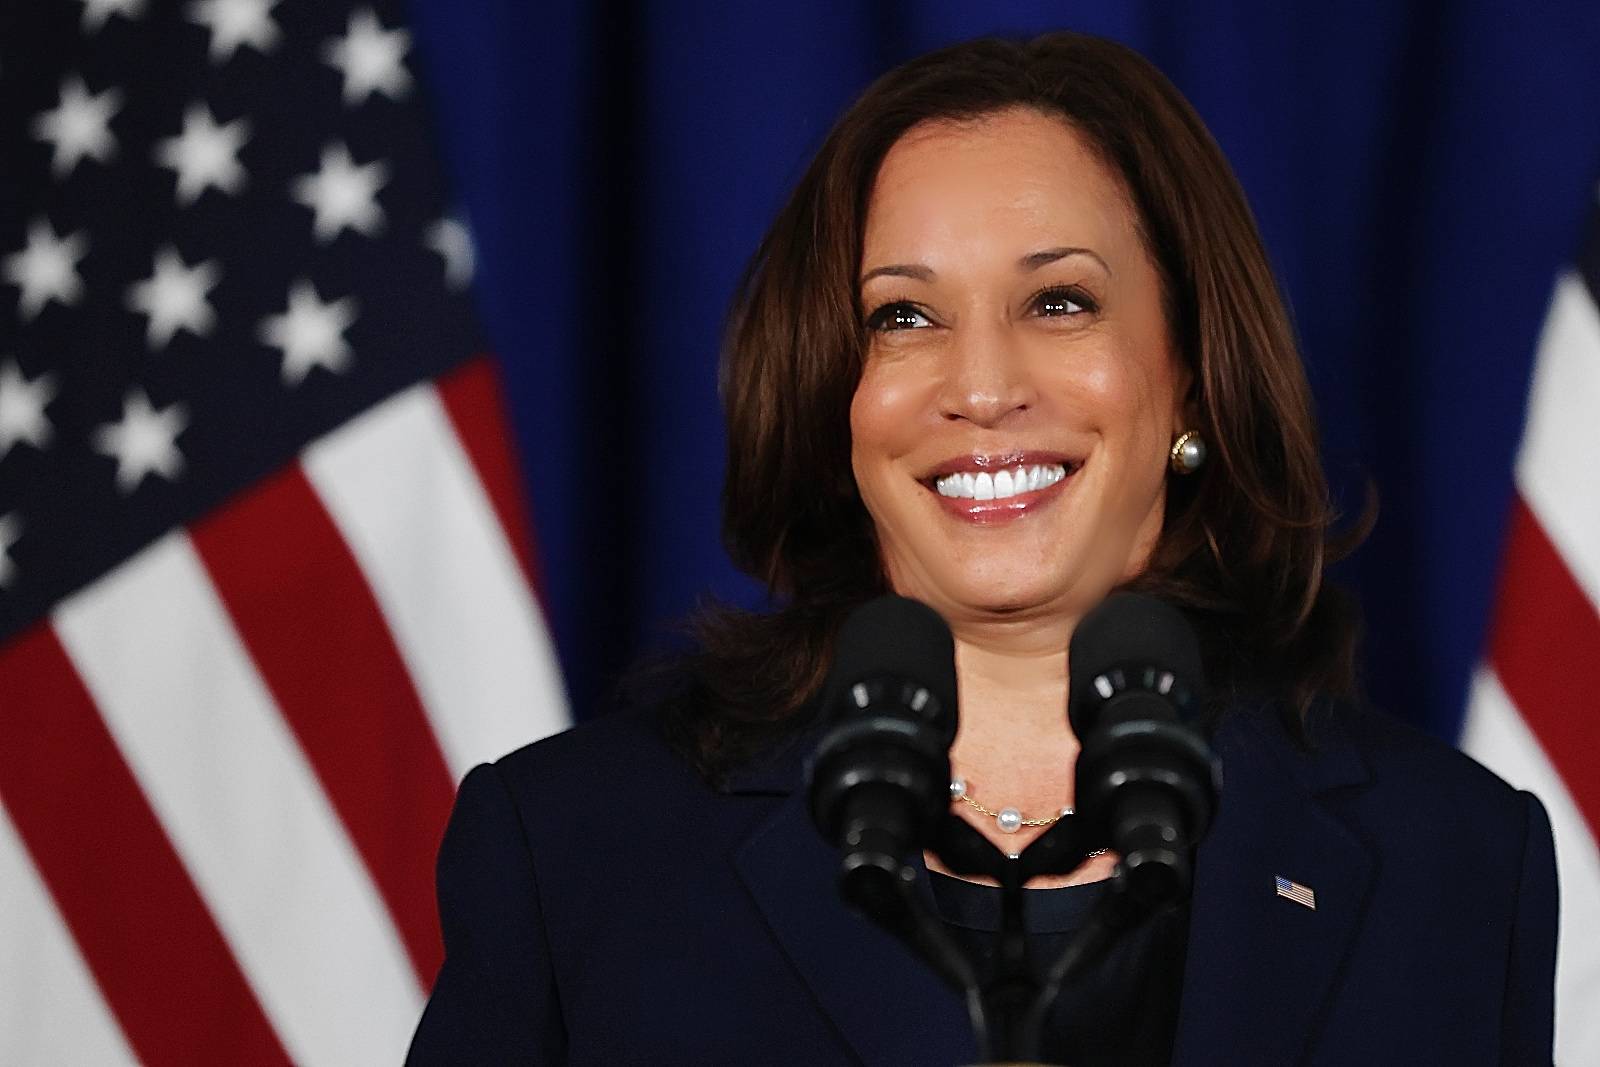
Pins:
x: 1244, y: 542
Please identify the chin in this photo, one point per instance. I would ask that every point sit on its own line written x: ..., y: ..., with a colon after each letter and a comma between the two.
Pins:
x: 1009, y: 594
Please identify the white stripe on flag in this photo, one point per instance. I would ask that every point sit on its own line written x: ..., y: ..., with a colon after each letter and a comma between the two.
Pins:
x: 1558, y: 467
x: 410, y: 505
x: 51, y: 1010
x: 156, y: 650
x: 1496, y: 735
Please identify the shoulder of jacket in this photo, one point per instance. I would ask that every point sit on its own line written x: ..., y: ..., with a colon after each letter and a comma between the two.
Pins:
x: 614, y: 758
x: 1399, y: 774
x: 1398, y: 752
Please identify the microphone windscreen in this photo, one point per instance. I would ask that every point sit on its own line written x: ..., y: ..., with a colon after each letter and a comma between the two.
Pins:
x: 1132, y: 630
x: 898, y: 637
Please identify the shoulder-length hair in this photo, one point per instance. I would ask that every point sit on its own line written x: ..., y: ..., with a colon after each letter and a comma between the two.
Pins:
x: 1244, y: 542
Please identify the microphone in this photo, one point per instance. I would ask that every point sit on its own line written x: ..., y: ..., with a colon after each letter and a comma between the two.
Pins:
x: 879, y: 782
x: 1147, y: 782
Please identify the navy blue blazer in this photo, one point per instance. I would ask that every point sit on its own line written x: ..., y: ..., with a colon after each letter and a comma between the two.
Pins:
x: 602, y: 905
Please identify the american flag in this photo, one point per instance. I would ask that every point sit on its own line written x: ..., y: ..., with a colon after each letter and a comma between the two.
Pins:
x: 1300, y: 894
x: 1534, y: 713
x: 265, y: 584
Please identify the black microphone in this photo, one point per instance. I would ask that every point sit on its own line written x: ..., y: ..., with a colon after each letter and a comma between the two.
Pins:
x: 879, y: 782
x: 1147, y: 782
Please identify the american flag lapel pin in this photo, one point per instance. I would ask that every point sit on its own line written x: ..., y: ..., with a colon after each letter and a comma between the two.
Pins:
x: 1300, y: 894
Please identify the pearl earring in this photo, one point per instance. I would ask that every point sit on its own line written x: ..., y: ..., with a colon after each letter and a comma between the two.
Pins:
x: 1188, y: 453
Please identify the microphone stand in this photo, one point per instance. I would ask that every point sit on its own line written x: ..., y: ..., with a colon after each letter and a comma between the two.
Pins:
x: 1010, y: 1005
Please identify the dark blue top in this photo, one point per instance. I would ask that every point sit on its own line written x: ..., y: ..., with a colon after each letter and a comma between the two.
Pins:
x: 602, y: 905
x: 1124, y: 1011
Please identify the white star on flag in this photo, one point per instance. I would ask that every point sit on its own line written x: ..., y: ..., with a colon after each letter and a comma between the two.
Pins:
x: 310, y: 333
x: 80, y: 125
x: 96, y: 12
x: 342, y: 194
x: 453, y: 241
x: 371, y: 58
x: 234, y: 23
x: 144, y: 442
x: 22, y: 404
x: 46, y: 269
x: 174, y: 298
x: 10, y: 534
x: 205, y: 155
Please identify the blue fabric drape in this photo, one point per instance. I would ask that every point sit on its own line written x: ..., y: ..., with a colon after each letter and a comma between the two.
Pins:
x: 1420, y: 172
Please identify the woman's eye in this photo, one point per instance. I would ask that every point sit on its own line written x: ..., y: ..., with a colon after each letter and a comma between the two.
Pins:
x: 897, y: 316
x: 1058, y: 302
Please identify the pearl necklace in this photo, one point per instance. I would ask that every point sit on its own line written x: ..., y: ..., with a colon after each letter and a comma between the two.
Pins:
x: 1009, y: 819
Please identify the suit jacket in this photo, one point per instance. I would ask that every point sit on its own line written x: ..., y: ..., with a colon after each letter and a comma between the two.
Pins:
x: 602, y: 905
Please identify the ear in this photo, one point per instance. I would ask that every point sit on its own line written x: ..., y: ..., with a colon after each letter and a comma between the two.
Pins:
x: 1185, y: 399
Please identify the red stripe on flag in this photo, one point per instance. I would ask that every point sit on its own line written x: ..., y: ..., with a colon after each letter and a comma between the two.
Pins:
x: 318, y: 638
x: 1545, y: 647
x: 473, y: 399
x: 144, y: 931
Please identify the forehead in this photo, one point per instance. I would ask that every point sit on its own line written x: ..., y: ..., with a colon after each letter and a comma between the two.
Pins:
x: 1016, y: 175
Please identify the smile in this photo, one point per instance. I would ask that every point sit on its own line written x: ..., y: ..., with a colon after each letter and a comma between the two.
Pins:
x: 988, y: 489
x: 1001, y: 484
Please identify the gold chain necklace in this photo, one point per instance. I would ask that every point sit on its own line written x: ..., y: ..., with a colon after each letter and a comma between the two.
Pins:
x: 1009, y: 819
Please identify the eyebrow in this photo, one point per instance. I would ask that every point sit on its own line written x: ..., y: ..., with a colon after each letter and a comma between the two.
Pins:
x: 1030, y: 262
x: 1035, y: 260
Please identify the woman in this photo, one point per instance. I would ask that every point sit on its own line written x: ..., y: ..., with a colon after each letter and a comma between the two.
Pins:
x: 1011, y: 344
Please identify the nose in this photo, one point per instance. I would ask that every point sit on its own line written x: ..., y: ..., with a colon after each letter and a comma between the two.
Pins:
x: 986, y: 377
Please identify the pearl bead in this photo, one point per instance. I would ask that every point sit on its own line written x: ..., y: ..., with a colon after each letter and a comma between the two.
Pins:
x: 1066, y: 811
x: 1010, y: 820
x: 1192, y: 454
x: 958, y: 788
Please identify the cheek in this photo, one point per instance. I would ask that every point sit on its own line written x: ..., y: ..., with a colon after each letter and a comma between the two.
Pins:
x: 1127, y: 398
x: 1103, y: 391
x: 883, y: 418
x: 1130, y: 389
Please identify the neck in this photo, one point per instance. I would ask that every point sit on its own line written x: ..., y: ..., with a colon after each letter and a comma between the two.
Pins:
x: 1014, y: 745
x: 1014, y: 742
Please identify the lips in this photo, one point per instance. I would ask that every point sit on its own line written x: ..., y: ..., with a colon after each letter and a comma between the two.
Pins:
x: 987, y: 488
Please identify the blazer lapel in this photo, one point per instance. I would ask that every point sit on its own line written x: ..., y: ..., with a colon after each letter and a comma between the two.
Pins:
x: 887, y: 1005
x: 1259, y: 965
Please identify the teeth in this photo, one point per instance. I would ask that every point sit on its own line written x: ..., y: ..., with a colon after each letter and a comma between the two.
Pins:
x: 981, y: 485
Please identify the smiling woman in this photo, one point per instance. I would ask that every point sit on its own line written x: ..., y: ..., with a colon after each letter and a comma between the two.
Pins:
x: 1011, y: 345
x: 1018, y: 255
x: 982, y: 363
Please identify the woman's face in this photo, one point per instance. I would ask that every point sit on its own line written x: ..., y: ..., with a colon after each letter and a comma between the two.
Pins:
x: 1010, y: 431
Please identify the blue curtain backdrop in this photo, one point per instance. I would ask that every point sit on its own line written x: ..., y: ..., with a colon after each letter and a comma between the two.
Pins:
x: 1419, y: 170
